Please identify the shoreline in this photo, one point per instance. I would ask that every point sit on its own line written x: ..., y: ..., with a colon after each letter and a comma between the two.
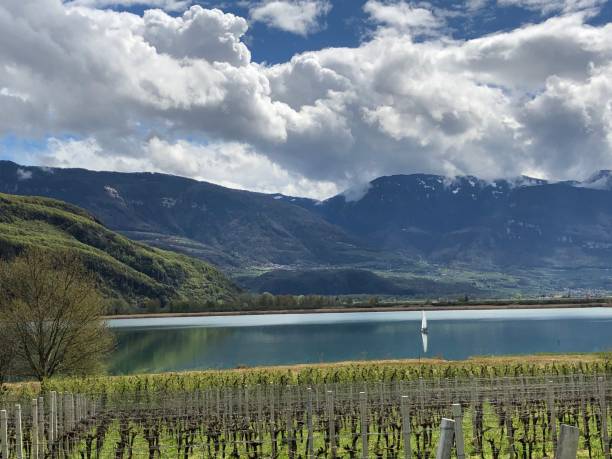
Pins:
x: 407, y: 308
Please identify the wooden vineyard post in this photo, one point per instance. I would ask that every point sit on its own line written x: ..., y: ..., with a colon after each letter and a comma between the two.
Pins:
x: 510, y: 429
x: 567, y: 447
x: 34, y: 431
x: 71, y: 411
x: 230, y: 408
x: 421, y: 395
x: 76, y: 405
x: 239, y: 402
x: 289, y: 424
x: 247, y: 405
x: 229, y: 425
x: 53, y: 418
x: 553, y: 415
x: 66, y: 413
x: 445, y: 445
x: 272, y: 424
x: 309, y: 440
x: 332, y: 423
x: 69, y: 419
x: 405, y: 407
x: 92, y: 407
x: 259, y: 413
x: 51, y: 428
x: 459, y: 441
x: 18, y: 432
x: 604, y: 417
x: 363, y: 412
x: 475, y: 442
x: 41, y: 425
x: 85, y: 407
x: 381, y: 393
x: 59, y: 422
x: 4, y: 434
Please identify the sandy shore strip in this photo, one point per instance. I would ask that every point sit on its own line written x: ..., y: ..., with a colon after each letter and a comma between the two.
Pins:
x: 394, y: 308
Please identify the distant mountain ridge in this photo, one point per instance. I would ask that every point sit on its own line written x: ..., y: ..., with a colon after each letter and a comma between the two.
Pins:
x: 394, y: 222
x: 231, y: 228
x: 521, y: 222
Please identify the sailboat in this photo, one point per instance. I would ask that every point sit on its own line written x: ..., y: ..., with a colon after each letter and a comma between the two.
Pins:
x: 425, y: 339
x: 424, y: 324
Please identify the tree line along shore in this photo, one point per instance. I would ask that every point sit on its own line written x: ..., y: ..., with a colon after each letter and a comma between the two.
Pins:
x: 566, y: 303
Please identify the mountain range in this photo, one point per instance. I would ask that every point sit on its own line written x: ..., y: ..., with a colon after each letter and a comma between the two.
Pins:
x: 523, y: 222
x: 230, y: 228
x: 416, y: 225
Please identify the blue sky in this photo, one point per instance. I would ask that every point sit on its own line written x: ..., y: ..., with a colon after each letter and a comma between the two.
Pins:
x: 308, y: 97
x: 347, y: 24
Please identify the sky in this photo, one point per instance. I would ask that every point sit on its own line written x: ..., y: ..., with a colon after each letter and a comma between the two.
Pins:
x: 308, y: 97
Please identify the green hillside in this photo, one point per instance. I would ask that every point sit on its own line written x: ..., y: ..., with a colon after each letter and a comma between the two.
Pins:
x: 129, y: 273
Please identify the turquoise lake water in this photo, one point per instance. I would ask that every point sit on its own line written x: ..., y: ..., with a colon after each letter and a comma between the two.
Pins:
x: 189, y: 343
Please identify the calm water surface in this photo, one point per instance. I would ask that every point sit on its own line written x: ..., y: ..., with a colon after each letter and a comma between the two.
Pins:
x: 184, y: 343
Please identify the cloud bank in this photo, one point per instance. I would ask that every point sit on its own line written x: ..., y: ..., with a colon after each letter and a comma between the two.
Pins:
x: 180, y: 94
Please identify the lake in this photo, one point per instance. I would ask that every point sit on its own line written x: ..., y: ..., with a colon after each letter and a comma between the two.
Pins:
x: 190, y: 343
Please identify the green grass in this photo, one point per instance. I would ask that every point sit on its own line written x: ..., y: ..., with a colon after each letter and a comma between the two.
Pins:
x: 129, y: 273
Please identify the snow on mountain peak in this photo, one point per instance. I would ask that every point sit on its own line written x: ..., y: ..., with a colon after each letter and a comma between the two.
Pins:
x: 601, y: 180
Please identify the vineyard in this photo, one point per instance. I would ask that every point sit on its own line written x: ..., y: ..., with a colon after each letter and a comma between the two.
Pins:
x: 494, y: 417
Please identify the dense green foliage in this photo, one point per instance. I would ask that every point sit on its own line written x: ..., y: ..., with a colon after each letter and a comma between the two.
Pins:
x: 128, y: 273
x: 337, y: 373
x: 352, y: 282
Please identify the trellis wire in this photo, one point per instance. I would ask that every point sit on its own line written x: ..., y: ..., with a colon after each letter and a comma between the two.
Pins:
x: 494, y: 417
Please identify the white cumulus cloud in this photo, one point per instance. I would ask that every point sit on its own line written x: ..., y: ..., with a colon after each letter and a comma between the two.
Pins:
x: 206, y: 34
x: 403, y: 16
x: 296, y: 16
x: 180, y: 94
x: 231, y: 164
x: 553, y: 6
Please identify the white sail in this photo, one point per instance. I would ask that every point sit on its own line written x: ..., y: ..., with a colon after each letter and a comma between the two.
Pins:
x: 424, y: 338
x: 424, y: 323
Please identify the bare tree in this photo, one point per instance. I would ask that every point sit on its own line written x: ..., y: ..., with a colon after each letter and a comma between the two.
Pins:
x: 53, y: 312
